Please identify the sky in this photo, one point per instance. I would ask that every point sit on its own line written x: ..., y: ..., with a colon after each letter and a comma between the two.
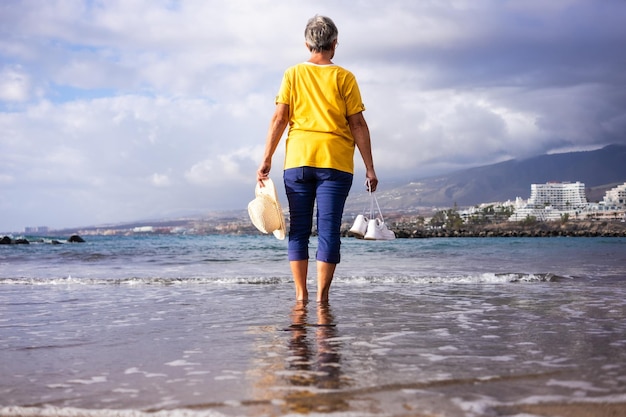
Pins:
x: 123, y: 110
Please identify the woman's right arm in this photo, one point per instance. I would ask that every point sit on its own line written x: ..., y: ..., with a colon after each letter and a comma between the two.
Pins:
x: 279, y: 122
x: 361, y: 134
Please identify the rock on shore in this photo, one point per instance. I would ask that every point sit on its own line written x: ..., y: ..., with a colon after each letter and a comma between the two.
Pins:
x: 7, y: 240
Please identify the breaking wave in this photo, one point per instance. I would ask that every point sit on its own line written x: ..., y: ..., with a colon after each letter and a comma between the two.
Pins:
x: 482, y: 278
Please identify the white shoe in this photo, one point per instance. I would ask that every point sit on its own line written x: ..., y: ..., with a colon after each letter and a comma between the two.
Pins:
x: 377, y: 230
x: 360, y: 225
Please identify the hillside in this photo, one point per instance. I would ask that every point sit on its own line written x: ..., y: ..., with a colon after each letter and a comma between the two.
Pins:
x: 599, y: 170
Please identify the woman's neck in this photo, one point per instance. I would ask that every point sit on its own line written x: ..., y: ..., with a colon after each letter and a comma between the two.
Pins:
x: 322, y: 58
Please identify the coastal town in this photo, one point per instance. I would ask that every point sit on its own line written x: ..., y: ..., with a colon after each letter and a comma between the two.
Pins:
x: 553, y: 209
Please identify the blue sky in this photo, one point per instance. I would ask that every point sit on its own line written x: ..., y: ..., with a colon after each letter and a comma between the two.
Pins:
x: 114, y: 111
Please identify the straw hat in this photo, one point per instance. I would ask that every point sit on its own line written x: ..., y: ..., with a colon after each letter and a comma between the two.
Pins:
x: 265, y: 211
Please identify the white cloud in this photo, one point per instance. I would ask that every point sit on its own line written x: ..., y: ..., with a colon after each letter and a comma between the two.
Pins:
x: 14, y: 85
x: 201, y: 172
x: 6, y: 179
x: 238, y: 166
x: 160, y: 180
x: 125, y: 109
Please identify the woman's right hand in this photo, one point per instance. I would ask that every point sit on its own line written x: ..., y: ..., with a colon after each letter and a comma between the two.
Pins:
x: 263, y: 172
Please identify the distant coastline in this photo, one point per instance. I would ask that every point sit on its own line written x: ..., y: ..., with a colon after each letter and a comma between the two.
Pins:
x: 240, y: 225
x: 574, y: 228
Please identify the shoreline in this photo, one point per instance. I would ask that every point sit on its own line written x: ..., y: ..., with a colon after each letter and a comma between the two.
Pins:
x: 425, y: 234
x: 329, y: 401
x: 570, y: 409
x: 402, y: 229
x: 571, y: 228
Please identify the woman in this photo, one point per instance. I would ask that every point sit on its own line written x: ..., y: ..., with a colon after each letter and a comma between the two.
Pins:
x: 322, y: 105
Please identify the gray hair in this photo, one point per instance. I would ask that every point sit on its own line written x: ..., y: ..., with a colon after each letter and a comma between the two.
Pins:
x: 320, y: 33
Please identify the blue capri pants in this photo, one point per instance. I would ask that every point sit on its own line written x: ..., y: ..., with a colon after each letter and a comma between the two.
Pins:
x: 329, y: 188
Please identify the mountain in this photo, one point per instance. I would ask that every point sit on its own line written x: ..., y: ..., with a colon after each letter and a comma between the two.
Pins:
x: 599, y: 170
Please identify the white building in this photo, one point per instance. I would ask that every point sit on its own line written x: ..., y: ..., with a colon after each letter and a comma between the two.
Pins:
x: 558, y: 195
x: 612, y: 207
x: 616, y: 197
x: 38, y: 229
x: 552, y: 200
x: 143, y: 229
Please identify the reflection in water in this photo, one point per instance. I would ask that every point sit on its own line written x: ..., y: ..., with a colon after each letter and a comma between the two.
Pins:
x: 314, y: 365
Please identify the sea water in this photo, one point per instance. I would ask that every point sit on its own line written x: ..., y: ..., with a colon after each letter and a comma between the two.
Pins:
x: 208, y: 326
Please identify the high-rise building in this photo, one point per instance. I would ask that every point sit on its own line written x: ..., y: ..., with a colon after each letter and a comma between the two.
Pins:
x: 558, y: 195
x: 552, y: 200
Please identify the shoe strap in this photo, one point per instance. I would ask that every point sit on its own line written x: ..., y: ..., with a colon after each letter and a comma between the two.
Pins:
x: 374, y: 200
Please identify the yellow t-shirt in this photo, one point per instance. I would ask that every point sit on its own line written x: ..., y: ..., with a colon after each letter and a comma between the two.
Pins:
x: 320, y: 99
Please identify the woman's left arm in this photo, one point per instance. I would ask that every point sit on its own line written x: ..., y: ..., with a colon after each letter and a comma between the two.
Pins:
x: 361, y: 134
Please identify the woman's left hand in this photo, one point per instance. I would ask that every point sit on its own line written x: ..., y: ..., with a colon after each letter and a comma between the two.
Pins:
x: 372, y: 181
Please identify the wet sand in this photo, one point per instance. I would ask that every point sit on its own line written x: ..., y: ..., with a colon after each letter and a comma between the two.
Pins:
x: 575, y: 409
